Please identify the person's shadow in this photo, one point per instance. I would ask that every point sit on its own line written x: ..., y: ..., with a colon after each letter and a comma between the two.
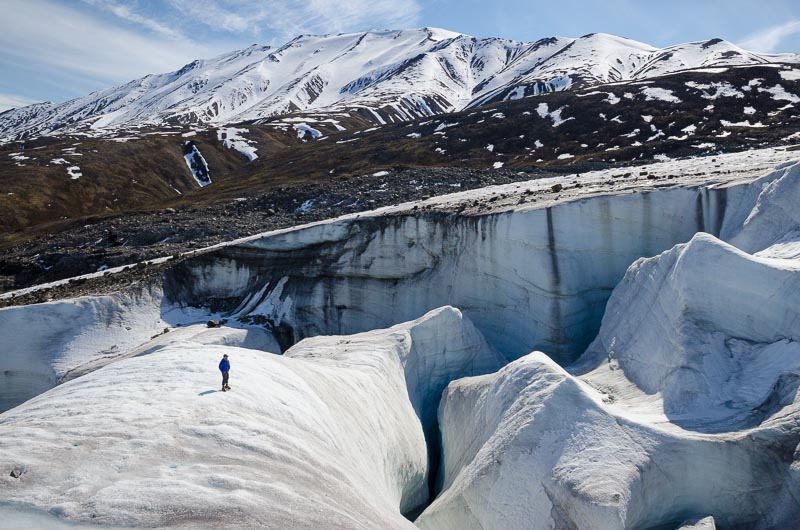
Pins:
x: 207, y: 392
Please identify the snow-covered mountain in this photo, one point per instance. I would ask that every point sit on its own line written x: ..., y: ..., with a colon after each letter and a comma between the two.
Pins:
x: 385, y: 76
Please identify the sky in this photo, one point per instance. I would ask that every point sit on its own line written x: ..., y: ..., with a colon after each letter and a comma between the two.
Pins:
x: 55, y: 50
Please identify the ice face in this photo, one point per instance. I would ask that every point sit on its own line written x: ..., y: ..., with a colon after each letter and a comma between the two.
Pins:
x: 686, y: 404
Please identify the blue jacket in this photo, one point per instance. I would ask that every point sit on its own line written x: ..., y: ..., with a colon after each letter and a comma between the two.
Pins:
x: 224, y: 365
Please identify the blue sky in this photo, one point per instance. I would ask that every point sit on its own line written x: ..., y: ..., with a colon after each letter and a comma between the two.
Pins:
x: 59, y: 49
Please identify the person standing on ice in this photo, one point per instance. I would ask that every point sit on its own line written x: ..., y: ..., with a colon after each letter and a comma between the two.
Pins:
x: 225, y: 367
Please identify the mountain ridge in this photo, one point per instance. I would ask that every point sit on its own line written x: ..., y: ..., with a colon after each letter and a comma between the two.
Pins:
x: 386, y: 75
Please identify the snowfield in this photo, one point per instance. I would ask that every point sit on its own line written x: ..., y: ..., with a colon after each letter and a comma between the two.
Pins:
x: 650, y: 318
x: 232, y: 138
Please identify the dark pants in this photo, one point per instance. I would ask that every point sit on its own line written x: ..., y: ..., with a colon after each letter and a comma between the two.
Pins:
x: 224, y: 379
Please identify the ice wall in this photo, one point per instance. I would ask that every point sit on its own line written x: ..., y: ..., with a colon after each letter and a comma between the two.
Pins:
x: 529, y: 279
x: 533, y: 447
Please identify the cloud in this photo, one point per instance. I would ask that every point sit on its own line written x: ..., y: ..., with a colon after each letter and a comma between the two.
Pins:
x: 74, y: 45
x: 57, y: 49
x: 768, y: 39
x: 12, y: 101
x: 125, y: 13
x: 280, y: 19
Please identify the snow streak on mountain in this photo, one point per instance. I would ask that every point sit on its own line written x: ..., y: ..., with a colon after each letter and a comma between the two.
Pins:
x: 385, y: 76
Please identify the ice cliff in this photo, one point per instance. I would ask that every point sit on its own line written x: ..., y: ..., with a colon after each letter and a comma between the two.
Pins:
x: 532, y: 276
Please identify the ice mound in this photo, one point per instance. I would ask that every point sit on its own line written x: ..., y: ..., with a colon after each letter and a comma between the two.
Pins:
x: 767, y: 214
x: 683, y: 413
x: 707, y: 334
x: 327, y: 436
x: 533, y: 446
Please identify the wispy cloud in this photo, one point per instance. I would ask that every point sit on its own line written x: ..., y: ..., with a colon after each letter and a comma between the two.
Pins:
x: 44, y: 35
x: 128, y: 14
x: 58, y: 49
x: 768, y: 39
x: 280, y: 20
x: 12, y: 101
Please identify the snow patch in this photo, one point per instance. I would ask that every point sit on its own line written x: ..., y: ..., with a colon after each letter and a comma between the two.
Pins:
x: 790, y: 75
x: 74, y: 172
x: 659, y: 94
x: 780, y: 94
x: 304, y: 131
x: 231, y: 138
x: 197, y: 164
x: 745, y: 123
x: 543, y: 110
x: 443, y: 126
x: 716, y: 90
x: 306, y: 207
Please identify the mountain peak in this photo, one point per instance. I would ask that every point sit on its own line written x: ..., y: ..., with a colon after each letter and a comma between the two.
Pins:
x: 397, y: 74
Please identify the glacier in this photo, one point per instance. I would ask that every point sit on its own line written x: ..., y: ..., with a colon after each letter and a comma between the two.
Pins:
x: 686, y: 403
x: 660, y: 307
x: 329, y: 435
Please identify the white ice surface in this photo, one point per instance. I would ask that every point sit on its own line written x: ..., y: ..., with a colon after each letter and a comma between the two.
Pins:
x: 43, y: 343
x: 533, y: 444
x: 330, y: 435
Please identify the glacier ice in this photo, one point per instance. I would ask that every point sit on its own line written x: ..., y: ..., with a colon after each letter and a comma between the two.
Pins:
x: 678, y: 406
x: 686, y: 404
x: 44, y: 344
x: 531, y: 278
x: 534, y: 446
x: 329, y: 435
